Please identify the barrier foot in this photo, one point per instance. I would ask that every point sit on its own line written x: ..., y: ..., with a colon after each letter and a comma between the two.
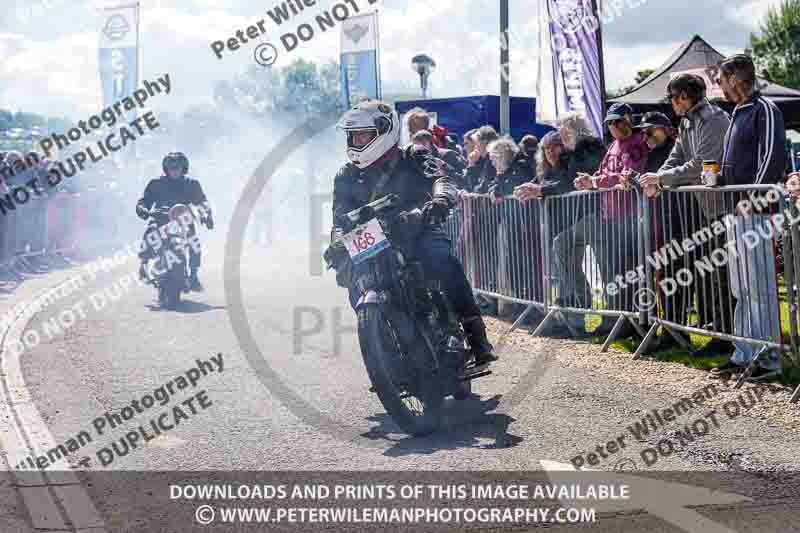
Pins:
x: 647, y: 339
x: 678, y: 338
x: 749, y: 370
x: 572, y: 330
x: 6, y: 270
x: 26, y: 265
x: 613, y: 334
x: 39, y: 264
x: 637, y: 327
x: 543, y: 324
x: 68, y: 260
x: 795, y: 395
x: 59, y: 261
x: 17, y: 270
x: 521, y: 317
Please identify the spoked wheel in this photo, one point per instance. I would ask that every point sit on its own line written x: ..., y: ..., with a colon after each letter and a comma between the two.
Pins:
x: 414, y: 404
x: 173, y: 295
x: 174, y: 286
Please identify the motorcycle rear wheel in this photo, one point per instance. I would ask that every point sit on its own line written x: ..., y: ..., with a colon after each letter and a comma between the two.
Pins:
x: 171, y: 295
x: 380, y: 350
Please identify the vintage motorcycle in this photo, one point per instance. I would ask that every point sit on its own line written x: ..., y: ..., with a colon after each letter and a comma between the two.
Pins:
x: 169, y: 271
x: 413, y: 346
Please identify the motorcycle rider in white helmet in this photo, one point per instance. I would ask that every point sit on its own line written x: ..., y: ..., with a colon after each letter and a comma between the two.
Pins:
x: 377, y: 167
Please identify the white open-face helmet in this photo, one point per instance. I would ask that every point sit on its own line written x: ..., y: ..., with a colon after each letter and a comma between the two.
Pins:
x: 377, y: 119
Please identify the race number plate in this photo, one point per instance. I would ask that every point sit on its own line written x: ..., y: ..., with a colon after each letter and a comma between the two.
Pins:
x: 365, y: 241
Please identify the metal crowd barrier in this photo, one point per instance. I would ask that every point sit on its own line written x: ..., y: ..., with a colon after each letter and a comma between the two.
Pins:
x: 499, y: 245
x: 41, y: 233
x: 715, y: 267
x: 593, y: 236
x: 688, y: 261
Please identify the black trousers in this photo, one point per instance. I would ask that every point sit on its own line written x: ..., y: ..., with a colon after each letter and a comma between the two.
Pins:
x: 670, y: 222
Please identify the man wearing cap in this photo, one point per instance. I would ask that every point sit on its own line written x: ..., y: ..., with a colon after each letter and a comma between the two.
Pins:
x: 700, y: 138
x: 659, y: 134
x: 612, y: 232
x: 666, y: 224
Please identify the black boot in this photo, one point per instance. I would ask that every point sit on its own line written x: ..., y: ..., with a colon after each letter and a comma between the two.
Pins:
x: 194, y: 282
x: 478, y: 342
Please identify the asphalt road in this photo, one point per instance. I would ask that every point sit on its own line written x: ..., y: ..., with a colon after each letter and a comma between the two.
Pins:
x: 316, y: 414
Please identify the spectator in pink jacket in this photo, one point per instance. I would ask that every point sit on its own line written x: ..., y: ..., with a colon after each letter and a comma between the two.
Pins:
x: 612, y: 231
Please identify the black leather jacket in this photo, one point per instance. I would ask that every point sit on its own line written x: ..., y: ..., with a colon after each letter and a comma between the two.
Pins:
x: 401, y: 174
x: 166, y: 192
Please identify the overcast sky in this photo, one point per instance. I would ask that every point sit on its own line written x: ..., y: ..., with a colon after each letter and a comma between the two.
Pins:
x: 48, y: 48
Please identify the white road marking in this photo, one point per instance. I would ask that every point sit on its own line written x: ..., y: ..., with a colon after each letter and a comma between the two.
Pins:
x: 23, y: 433
x: 664, y: 499
x: 166, y: 441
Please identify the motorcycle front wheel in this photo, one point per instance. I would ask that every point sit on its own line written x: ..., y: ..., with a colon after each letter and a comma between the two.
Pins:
x: 177, y: 281
x: 413, y: 401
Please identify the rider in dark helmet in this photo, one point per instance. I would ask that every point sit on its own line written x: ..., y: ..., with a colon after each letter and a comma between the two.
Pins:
x: 174, y: 187
x: 379, y: 167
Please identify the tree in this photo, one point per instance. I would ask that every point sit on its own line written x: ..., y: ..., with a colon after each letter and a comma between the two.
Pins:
x: 6, y: 120
x: 295, y: 93
x: 28, y: 120
x: 643, y: 75
x: 640, y: 77
x: 776, y: 49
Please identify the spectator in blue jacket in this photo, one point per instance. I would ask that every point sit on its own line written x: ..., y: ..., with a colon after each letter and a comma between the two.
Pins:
x: 754, y: 154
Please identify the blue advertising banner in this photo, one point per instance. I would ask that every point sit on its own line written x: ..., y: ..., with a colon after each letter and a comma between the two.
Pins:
x: 119, y: 54
x: 360, y: 76
x: 117, y: 73
x: 360, y: 60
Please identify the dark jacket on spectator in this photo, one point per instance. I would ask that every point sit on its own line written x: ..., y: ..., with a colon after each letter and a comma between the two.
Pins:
x: 755, y: 144
x: 504, y: 183
x: 557, y: 180
x: 525, y: 167
x: 587, y: 156
x: 454, y: 160
x: 658, y: 156
x: 480, y: 176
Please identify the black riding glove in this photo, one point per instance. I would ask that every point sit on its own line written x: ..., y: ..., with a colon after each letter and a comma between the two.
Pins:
x: 436, y: 211
x: 142, y: 212
x: 209, y: 221
x: 336, y: 257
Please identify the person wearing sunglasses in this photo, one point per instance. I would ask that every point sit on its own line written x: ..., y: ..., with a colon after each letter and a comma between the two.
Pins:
x: 659, y: 134
x: 668, y: 224
x: 701, y: 133
x: 603, y: 230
